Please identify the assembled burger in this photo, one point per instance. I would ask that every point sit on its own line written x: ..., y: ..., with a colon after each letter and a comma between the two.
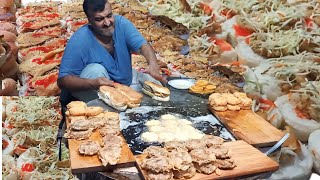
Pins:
x: 156, y: 91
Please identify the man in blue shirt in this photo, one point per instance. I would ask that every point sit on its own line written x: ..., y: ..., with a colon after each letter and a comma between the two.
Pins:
x: 100, y: 54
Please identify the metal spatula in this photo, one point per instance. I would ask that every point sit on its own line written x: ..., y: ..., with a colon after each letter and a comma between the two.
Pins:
x: 277, y: 145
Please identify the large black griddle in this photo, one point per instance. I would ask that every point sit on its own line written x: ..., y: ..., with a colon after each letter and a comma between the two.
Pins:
x: 182, y: 104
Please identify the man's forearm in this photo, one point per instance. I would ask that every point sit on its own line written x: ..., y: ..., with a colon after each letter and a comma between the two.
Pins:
x: 75, y: 83
x: 148, y: 52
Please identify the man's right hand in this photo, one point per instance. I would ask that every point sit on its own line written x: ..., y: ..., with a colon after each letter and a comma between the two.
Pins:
x: 102, y: 81
x: 75, y: 83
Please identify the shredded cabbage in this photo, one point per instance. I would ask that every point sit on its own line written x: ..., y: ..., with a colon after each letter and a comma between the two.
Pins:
x: 173, y: 9
x: 34, y: 110
x: 276, y: 39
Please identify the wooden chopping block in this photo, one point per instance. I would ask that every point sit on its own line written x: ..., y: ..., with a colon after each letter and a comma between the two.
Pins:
x: 250, y: 127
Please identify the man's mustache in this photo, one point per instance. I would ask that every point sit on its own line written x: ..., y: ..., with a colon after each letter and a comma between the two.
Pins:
x: 106, y: 27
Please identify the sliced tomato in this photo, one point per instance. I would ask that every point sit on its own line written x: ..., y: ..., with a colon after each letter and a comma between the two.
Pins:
x: 224, y: 45
x: 28, y: 24
x: 165, y: 71
x: 267, y: 102
x: 227, y: 13
x: 242, y: 31
x: 206, y: 8
x: 27, y: 167
x: 301, y: 114
x: 308, y: 22
x: 4, y: 144
x: 80, y: 23
x: 50, y: 79
x: 20, y: 149
x: 9, y: 126
x: 236, y: 63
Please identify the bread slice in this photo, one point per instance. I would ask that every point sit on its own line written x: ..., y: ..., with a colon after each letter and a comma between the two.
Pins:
x: 133, y: 96
x: 113, y: 98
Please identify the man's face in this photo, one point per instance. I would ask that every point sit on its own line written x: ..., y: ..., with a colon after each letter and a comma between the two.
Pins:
x: 103, y: 22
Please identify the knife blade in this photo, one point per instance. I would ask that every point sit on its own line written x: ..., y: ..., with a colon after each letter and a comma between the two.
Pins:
x: 165, y: 77
x: 61, y: 132
x: 141, y: 83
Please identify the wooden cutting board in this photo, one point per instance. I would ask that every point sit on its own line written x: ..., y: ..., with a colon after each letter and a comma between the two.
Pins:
x: 82, y: 164
x: 249, y: 161
x: 250, y: 127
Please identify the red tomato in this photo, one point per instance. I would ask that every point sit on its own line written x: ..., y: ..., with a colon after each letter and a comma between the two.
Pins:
x: 267, y: 104
x: 4, y: 144
x: 242, y: 31
x: 308, y: 22
x: 206, y: 8
x: 20, y: 149
x: 9, y: 126
x: 224, y: 45
x: 227, y: 13
x: 236, y: 63
x: 301, y: 114
x: 14, y: 109
x: 27, y: 167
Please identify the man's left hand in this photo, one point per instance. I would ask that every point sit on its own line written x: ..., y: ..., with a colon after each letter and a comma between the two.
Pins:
x: 154, y: 71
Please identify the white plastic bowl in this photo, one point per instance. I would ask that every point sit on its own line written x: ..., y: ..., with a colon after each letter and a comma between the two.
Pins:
x: 181, y: 83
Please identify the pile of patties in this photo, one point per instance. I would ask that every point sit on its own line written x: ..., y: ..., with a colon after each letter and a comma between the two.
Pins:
x: 181, y: 160
x: 120, y: 96
x: 202, y: 87
x: 228, y: 101
x: 84, y: 120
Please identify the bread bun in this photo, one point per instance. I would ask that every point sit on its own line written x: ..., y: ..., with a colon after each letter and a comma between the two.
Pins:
x: 155, y: 97
x: 8, y: 36
x: 7, y: 26
x: 156, y: 91
x: 6, y: 3
x: 113, y: 98
x: 46, y: 85
x: 157, y: 87
x: 9, y: 87
x: 134, y: 98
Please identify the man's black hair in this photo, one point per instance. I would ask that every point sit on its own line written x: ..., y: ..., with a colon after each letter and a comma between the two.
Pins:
x: 93, y: 6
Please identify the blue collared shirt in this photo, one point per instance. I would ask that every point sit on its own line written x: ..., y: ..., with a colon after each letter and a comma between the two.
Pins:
x: 83, y: 49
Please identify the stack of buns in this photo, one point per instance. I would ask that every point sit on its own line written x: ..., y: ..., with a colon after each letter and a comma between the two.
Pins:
x: 120, y: 96
x: 202, y: 87
x: 228, y: 101
x: 77, y: 114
